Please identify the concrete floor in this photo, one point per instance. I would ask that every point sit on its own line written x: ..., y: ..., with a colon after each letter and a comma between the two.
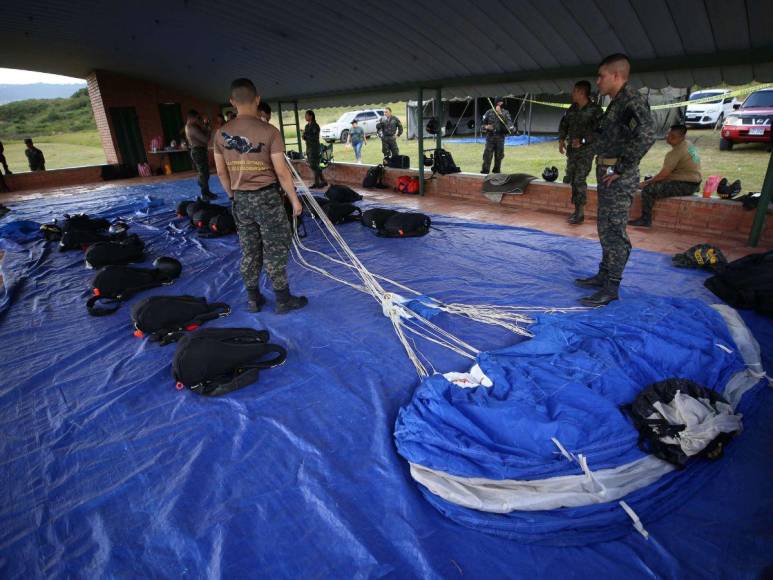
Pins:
x: 654, y: 239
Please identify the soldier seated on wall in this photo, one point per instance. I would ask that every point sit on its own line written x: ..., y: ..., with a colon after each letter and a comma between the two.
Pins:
x: 680, y: 175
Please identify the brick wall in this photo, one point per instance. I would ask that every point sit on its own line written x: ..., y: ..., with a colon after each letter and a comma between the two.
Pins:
x: 715, y: 217
x: 54, y: 178
x: 107, y: 89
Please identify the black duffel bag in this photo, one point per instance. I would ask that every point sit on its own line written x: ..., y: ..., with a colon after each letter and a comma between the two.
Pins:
x: 341, y: 213
x: 398, y: 161
x: 114, y: 253
x: 217, y: 361
x: 114, y: 284
x: 342, y: 194
x: 376, y: 217
x: 164, y: 319
x: 405, y: 225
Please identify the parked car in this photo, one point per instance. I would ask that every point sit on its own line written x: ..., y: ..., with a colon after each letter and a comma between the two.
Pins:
x: 750, y: 122
x: 339, y: 131
x: 709, y: 114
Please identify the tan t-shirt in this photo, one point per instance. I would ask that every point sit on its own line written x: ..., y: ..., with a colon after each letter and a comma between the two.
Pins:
x: 247, y: 143
x: 684, y: 163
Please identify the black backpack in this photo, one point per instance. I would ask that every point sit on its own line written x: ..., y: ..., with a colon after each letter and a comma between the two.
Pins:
x: 204, y: 215
x: 115, y: 284
x: 374, y: 177
x: 746, y: 283
x: 80, y: 231
x: 341, y: 213
x: 653, y: 427
x: 398, y: 161
x: 164, y: 319
x: 112, y: 253
x: 703, y: 256
x: 342, y: 194
x: 405, y: 225
x: 182, y: 208
x: 376, y: 217
x: 322, y: 201
x: 217, y: 361
x: 197, y: 205
x: 223, y: 224
x: 443, y: 163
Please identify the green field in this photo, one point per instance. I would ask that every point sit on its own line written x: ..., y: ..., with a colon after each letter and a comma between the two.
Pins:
x: 62, y: 150
x: 745, y: 162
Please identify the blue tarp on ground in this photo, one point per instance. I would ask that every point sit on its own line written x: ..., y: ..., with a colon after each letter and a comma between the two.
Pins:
x: 110, y: 471
x: 510, y: 140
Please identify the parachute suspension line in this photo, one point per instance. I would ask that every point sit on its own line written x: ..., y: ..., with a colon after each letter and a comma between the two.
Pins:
x: 393, y: 306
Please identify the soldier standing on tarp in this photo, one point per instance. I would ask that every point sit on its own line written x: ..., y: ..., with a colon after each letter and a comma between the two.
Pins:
x: 575, y: 136
x: 625, y: 134
x: 496, y: 124
x: 389, y: 128
x: 251, y: 165
x: 197, y: 135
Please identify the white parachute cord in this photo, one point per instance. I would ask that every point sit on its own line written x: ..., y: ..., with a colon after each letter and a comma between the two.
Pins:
x: 636, y: 521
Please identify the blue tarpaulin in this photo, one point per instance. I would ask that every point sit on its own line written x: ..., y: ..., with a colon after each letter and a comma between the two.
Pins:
x: 510, y: 140
x: 108, y: 470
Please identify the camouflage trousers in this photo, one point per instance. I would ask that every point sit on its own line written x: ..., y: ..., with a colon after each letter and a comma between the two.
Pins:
x: 661, y: 189
x: 495, y: 146
x: 312, y: 158
x: 578, y: 166
x: 264, y: 236
x: 389, y: 146
x: 200, y: 158
x: 614, y: 203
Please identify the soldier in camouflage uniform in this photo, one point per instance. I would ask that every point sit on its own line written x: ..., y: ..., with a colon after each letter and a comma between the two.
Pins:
x: 389, y: 128
x: 575, y: 136
x: 311, y: 136
x: 625, y: 134
x: 497, y: 123
x: 250, y: 160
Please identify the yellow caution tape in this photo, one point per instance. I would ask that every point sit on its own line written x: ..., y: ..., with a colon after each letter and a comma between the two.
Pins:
x: 736, y: 93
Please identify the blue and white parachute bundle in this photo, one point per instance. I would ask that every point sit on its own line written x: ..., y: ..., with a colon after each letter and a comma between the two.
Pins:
x: 532, y: 444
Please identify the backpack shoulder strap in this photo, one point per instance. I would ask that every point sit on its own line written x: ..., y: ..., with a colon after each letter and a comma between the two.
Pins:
x: 244, y: 376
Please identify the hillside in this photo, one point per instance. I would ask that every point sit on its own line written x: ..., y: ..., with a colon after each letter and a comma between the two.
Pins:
x: 10, y: 93
x: 38, y: 117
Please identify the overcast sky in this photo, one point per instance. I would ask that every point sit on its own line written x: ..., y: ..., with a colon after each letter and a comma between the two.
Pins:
x: 9, y: 76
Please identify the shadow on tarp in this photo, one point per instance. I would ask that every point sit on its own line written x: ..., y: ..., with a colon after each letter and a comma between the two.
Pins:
x: 110, y: 471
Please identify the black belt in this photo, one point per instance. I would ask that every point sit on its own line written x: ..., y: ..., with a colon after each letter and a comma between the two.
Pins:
x: 261, y: 190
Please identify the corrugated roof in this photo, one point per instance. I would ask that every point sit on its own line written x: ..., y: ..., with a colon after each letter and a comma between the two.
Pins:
x: 354, y: 52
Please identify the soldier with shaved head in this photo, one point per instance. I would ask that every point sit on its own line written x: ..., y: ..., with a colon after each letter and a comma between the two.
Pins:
x: 251, y: 165
x: 625, y: 134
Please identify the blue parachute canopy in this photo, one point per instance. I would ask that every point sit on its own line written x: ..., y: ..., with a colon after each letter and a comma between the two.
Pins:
x: 560, y: 394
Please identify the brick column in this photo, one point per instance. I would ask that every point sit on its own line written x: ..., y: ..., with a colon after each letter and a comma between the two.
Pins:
x: 100, y: 116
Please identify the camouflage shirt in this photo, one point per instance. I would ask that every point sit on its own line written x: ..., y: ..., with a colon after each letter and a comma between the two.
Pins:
x: 491, y: 117
x: 389, y: 127
x: 626, y: 131
x: 580, y: 123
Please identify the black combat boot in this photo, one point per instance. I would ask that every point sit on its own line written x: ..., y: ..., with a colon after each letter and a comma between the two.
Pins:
x: 207, y: 196
x: 285, y: 302
x: 255, y: 300
x: 604, y: 296
x: 578, y: 216
x: 643, y: 222
x: 596, y: 281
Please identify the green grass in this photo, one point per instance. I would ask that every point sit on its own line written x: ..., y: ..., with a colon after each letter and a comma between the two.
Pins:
x: 41, y: 117
x: 745, y: 162
x: 61, y: 151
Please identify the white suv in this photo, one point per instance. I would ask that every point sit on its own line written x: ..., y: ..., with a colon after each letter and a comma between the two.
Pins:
x: 711, y: 113
x: 339, y: 131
